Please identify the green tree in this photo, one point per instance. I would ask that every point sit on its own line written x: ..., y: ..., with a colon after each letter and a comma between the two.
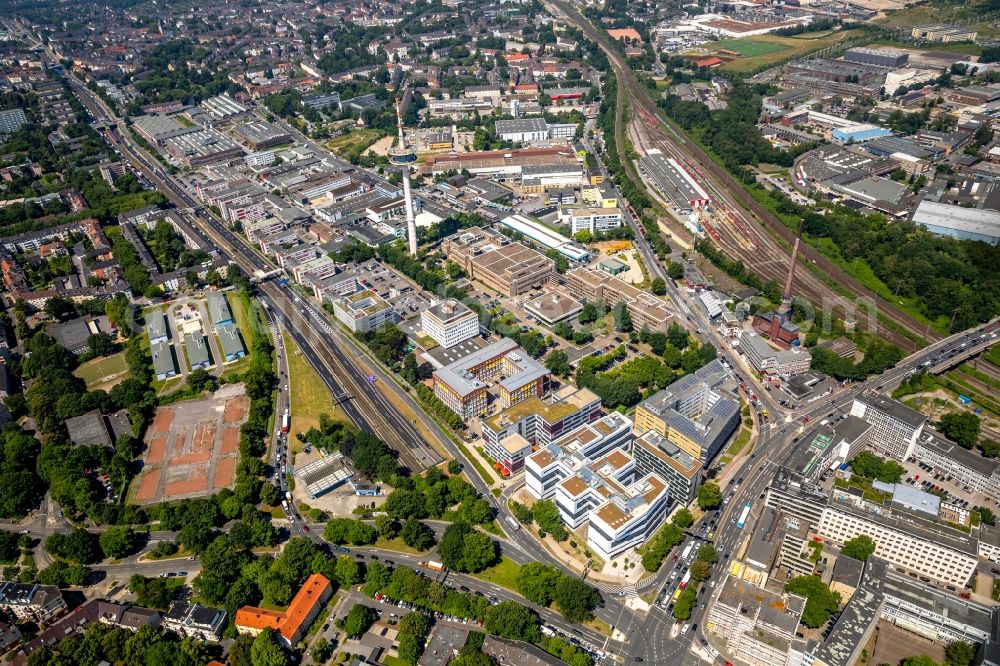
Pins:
x: 576, y: 599
x: 708, y: 553
x: 860, y: 547
x: 700, y: 571
x: 546, y: 514
x: 537, y: 582
x: 709, y: 495
x: 683, y: 518
x: 417, y: 535
x: 557, y: 362
x: 358, y: 620
x: 821, y: 603
x: 659, y: 286
x: 321, y: 651
x: 454, y: 467
x: 347, y: 571
x: 509, y: 619
x: 960, y: 653
x: 266, y: 651
x: 622, y: 318
x: 117, y: 542
x: 962, y: 427
x: 675, y: 270
x: 919, y: 660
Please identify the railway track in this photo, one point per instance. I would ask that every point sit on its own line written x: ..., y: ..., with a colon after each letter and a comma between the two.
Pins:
x: 752, y: 233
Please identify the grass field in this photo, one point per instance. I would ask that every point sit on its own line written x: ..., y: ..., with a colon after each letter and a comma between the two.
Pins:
x: 503, y: 574
x: 751, y: 48
x: 767, y: 50
x: 101, y: 370
x: 353, y: 143
x: 309, y: 396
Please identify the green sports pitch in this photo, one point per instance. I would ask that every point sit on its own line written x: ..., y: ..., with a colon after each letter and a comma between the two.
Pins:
x: 750, y: 48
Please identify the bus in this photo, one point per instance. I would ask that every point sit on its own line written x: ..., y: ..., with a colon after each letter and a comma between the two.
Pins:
x: 743, y: 516
x: 684, y: 581
x: 284, y: 422
x: 687, y: 550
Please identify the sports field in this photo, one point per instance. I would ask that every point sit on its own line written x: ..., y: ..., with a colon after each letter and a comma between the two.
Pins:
x: 103, y: 370
x: 752, y: 48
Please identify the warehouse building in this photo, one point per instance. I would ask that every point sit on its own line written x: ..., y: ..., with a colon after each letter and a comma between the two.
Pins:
x: 975, y: 224
x: 259, y: 135
x: 323, y: 475
x: 546, y: 237
x: 200, y: 147
x: 880, y: 57
x: 674, y: 181
x: 943, y: 32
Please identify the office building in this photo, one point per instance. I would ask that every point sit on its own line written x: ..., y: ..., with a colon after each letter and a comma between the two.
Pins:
x: 681, y: 471
x: 464, y: 385
x: 363, y: 311
x: 543, y: 421
x: 829, y: 446
x: 698, y: 413
x: 594, y: 220
x: 449, y: 322
x: 966, y: 467
x: 491, y: 258
x: 759, y: 626
x: 292, y: 623
x: 770, y: 362
x: 508, y: 454
x: 895, y: 427
x: 902, y: 538
x: 974, y: 224
x: 645, y: 309
x: 943, y: 32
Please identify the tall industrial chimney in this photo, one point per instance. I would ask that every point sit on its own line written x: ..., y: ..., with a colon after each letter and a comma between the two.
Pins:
x: 403, y: 157
x: 786, y: 293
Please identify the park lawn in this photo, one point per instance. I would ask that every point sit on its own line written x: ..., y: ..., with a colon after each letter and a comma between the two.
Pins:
x: 101, y: 370
x: 751, y: 48
x: 741, y: 440
x: 503, y: 574
x: 789, y: 48
x: 397, y: 545
x: 353, y: 142
x: 310, y: 398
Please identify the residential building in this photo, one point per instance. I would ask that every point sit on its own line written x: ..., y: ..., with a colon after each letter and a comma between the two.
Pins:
x: 463, y: 385
x: 231, y: 342
x: 449, y: 322
x: 698, y: 413
x: 194, y: 620
x: 218, y: 309
x: 164, y: 363
x: 895, y: 427
x: 156, y: 326
x: 196, y: 350
x: 31, y: 601
x: 292, y: 623
x: 363, y: 311
x: 767, y: 361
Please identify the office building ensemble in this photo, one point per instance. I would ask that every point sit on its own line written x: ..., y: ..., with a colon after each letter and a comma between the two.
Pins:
x: 593, y: 480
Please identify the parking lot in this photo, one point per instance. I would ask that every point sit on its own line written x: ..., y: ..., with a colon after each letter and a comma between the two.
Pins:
x: 924, y: 477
